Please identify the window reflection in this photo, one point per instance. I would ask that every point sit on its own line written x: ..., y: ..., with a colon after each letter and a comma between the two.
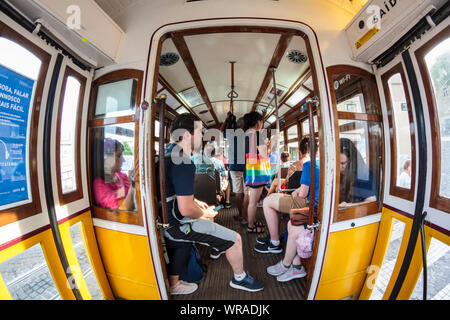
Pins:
x: 360, y: 167
x: 113, y: 167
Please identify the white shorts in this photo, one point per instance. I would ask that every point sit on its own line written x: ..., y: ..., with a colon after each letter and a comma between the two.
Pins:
x: 237, y: 180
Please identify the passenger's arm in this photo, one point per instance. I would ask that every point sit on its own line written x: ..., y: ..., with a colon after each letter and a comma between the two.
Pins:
x: 301, y: 192
x: 344, y: 204
x: 189, y: 207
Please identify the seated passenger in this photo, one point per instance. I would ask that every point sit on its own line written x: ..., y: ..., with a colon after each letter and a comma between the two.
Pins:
x: 404, y: 180
x: 279, y: 202
x: 112, y: 188
x: 190, y: 219
x: 296, y: 166
x: 285, y: 163
x: 357, y: 184
x: 290, y: 267
x: 203, y: 164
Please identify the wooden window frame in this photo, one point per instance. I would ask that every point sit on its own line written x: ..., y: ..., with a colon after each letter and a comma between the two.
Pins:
x: 15, y: 214
x: 372, y: 207
x: 401, y: 192
x: 127, y: 217
x: 76, y: 194
x: 436, y: 201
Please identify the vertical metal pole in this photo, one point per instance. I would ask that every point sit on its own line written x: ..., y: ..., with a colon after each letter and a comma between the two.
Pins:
x: 161, y: 102
x: 273, y: 70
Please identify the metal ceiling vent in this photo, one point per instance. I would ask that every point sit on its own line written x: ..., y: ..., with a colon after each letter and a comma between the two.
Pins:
x: 296, y: 56
x: 169, y: 59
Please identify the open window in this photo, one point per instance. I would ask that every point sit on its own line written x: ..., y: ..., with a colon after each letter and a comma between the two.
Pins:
x: 401, y: 122
x: 68, y: 146
x: 360, y: 141
x: 113, y: 137
x: 434, y: 62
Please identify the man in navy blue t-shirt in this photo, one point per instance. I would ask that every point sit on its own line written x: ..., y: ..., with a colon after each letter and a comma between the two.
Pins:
x: 191, y: 220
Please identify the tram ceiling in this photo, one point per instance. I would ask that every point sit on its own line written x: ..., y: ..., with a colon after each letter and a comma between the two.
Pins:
x: 200, y: 71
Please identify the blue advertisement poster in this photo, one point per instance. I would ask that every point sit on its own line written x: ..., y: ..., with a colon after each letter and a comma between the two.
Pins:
x: 16, y: 93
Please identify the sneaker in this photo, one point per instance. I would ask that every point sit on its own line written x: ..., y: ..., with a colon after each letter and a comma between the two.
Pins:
x: 263, y: 240
x: 277, y: 269
x: 268, y: 247
x: 247, y: 284
x: 215, y: 254
x: 183, y: 287
x: 292, y: 273
x: 227, y: 205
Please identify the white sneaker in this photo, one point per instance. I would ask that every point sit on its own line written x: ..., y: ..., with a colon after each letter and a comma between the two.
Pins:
x: 277, y: 269
x: 183, y: 287
x: 292, y: 273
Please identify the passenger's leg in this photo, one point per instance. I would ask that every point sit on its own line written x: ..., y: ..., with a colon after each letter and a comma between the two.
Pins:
x: 271, y: 208
x: 290, y: 256
x: 235, y: 257
x: 254, y: 195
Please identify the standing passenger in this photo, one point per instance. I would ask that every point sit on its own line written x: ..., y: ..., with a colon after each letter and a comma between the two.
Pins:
x: 190, y: 219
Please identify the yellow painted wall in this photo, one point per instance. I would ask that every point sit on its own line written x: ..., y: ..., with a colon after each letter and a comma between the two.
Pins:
x: 128, y: 264
x: 348, y: 256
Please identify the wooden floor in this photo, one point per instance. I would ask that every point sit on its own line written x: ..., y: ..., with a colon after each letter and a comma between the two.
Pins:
x: 215, y: 285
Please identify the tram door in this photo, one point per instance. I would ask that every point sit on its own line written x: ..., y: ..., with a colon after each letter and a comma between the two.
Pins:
x: 416, y: 105
x: 48, y: 248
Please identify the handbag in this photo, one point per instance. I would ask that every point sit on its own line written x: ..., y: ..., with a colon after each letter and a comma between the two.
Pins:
x: 257, y: 167
x: 305, y: 243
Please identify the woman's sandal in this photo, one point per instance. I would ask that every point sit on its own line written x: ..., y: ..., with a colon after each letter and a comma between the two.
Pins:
x: 259, y: 224
x: 255, y: 229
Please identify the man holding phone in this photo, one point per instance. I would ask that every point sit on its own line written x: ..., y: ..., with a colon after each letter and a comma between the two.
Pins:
x: 190, y: 220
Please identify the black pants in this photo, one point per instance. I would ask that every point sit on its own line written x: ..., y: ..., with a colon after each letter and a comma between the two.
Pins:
x: 178, y: 255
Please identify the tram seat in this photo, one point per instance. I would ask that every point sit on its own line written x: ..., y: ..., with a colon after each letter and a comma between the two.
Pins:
x: 284, y: 172
x: 205, y: 188
x: 294, y: 181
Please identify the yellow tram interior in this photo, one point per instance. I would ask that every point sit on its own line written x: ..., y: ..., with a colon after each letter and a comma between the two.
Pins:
x: 81, y: 73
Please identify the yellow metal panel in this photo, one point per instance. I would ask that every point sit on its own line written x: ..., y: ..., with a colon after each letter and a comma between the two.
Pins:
x: 45, y: 239
x: 4, y: 293
x: 349, y: 253
x: 90, y: 243
x: 128, y: 264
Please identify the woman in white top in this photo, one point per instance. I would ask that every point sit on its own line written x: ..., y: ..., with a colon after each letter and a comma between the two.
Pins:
x: 404, y: 180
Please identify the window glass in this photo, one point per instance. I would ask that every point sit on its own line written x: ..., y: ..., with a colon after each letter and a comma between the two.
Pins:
x: 298, y: 96
x: 360, y: 164
x: 293, y: 151
x: 292, y: 132
x: 305, y: 127
x: 68, y: 135
x: 116, y: 98
x: 438, y: 65
x: 355, y: 93
x: 113, y: 166
x: 402, y: 130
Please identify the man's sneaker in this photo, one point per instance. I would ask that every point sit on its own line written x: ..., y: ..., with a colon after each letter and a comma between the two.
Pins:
x: 227, y: 205
x: 215, y: 254
x: 183, y: 287
x: 268, y: 247
x: 247, y: 284
x: 277, y: 269
x: 292, y: 273
x: 263, y: 240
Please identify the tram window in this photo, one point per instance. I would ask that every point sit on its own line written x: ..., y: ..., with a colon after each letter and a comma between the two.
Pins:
x: 292, y: 132
x: 360, y: 166
x: 69, y: 118
x: 305, y: 126
x: 113, y: 184
x: 360, y: 160
x: 434, y: 64
x: 116, y: 99
x: 23, y: 67
x: 355, y: 94
x: 402, y: 138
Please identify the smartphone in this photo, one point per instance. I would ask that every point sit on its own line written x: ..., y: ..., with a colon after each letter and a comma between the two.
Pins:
x: 218, y: 207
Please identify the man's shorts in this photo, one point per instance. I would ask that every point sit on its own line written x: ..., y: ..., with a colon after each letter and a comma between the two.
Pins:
x: 288, y: 202
x: 202, y: 231
x: 237, y: 180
